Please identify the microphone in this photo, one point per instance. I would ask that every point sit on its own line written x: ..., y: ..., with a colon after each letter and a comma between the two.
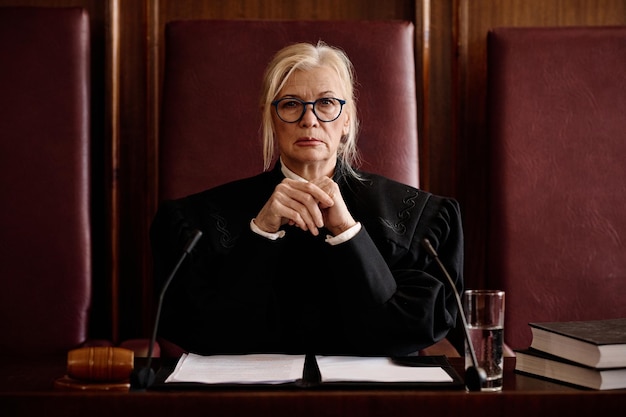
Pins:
x: 144, y: 378
x: 475, y: 376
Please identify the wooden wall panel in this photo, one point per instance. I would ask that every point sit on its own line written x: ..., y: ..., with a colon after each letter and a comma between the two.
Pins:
x: 475, y: 18
x: 134, y: 174
x: 435, y: 63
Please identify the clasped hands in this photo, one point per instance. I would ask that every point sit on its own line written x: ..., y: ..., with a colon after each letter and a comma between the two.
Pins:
x: 307, y: 205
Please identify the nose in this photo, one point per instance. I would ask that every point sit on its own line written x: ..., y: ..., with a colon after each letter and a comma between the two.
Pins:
x: 308, y: 118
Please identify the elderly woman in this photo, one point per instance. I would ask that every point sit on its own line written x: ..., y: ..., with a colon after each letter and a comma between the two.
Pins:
x: 313, y: 255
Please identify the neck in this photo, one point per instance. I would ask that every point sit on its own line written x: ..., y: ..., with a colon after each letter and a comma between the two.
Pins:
x: 312, y: 171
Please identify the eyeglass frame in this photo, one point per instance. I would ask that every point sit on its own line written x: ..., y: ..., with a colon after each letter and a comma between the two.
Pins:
x: 304, y: 104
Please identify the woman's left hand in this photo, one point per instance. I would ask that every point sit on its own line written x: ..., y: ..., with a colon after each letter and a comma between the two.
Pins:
x: 337, y: 218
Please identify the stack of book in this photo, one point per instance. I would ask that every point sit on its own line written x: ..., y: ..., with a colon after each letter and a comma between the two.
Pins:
x: 589, y: 354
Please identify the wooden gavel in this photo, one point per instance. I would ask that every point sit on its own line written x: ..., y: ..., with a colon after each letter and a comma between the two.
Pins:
x: 98, y: 368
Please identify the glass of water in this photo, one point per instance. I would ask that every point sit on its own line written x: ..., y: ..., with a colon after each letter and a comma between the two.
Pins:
x: 484, y: 312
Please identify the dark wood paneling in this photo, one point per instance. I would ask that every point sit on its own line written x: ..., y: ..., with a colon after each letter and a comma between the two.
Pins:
x: 134, y: 174
x: 435, y: 58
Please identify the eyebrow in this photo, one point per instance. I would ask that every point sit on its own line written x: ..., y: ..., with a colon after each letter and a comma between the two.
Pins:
x: 328, y: 93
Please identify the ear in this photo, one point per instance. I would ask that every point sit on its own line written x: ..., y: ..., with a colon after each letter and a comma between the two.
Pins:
x: 346, y: 126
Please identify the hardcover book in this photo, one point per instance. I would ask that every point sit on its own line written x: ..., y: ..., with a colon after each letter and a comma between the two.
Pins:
x: 597, y: 343
x: 536, y: 363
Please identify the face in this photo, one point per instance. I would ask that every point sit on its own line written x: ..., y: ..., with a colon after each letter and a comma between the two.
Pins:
x: 309, y: 147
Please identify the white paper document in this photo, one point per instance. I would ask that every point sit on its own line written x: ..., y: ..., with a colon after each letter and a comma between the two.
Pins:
x: 238, y: 369
x: 376, y: 369
x: 279, y: 369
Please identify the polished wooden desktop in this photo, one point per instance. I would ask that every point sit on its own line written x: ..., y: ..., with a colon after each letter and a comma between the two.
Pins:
x: 26, y: 388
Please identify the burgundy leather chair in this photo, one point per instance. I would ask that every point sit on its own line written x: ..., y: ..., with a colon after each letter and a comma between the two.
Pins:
x: 45, y: 239
x: 213, y: 73
x: 557, y: 236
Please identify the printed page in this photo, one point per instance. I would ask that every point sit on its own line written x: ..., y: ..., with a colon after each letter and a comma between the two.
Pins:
x: 238, y: 369
x: 376, y: 369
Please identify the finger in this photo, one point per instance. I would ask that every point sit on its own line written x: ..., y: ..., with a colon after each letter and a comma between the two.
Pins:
x: 330, y: 188
x: 324, y: 190
x: 301, y: 199
x: 294, y: 217
x: 315, y: 189
x: 276, y: 213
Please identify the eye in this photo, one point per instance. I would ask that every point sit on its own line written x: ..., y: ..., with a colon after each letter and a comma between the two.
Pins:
x: 326, y: 102
x: 289, y: 104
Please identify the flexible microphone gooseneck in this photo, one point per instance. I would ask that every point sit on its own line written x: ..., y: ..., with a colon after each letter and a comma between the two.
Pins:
x: 144, y: 377
x: 475, y: 376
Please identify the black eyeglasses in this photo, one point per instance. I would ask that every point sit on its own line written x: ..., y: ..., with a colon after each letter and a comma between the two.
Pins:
x: 291, y: 109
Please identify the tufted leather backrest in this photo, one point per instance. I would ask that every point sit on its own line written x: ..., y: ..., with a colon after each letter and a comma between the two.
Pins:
x: 557, y: 107
x: 210, y: 131
x: 45, y: 252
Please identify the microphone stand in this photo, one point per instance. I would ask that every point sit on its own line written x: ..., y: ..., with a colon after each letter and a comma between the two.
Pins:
x: 144, y: 378
x: 475, y: 376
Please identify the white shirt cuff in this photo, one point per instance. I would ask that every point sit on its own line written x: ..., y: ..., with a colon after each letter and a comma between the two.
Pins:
x: 344, y: 236
x: 271, y: 236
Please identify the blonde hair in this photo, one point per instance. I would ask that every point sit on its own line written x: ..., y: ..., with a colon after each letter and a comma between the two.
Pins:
x: 305, y: 56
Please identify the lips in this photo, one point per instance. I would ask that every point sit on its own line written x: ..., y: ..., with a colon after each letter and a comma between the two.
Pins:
x: 308, y: 141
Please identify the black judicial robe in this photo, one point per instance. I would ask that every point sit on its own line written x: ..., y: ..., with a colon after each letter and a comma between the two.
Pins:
x: 379, y: 293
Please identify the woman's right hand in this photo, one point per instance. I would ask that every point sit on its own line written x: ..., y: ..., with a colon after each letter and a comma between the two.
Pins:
x: 297, y: 203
